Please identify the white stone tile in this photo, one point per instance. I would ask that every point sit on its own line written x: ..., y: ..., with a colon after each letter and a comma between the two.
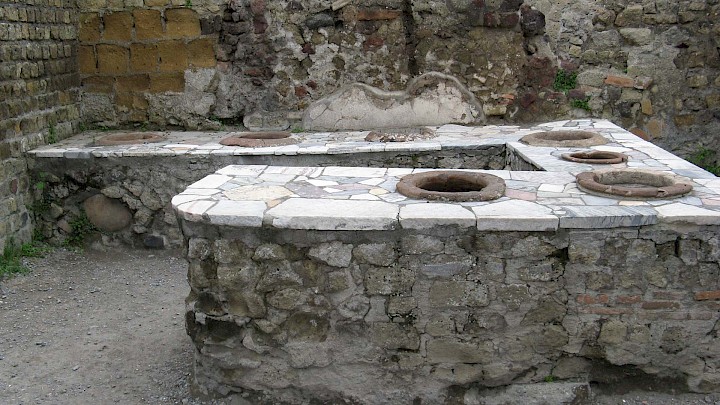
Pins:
x: 258, y: 193
x: 200, y: 191
x: 678, y: 212
x: 373, y: 182
x: 289, y: 150
x: 237, y: 213
x: 244, y: 170
x: 277, y: 177
x: 515, y: 215
x: 552, y: 188
x: 304, y: 213
x: 428, y: 215
x: 184, y: 198
x: 597, y: 217
x: 366, y: 197
x: 211, y: 181
x: 297, y: 171
x: 312, y: 150
x: 322, y: 183
x: 193, y: 211
x: 354, y: 171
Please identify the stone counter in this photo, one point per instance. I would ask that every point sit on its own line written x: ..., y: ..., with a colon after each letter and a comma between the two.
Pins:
x: 138, y: 181
x: 325, y: 284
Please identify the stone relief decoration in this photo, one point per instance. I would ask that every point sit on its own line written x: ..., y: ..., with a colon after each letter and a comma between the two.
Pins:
x: 430, y: 99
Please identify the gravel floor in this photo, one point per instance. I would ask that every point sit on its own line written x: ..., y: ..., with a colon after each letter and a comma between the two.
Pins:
x: 106, y: 326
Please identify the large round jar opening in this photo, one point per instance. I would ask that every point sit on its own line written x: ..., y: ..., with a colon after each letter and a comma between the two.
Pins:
x: 449, y: 185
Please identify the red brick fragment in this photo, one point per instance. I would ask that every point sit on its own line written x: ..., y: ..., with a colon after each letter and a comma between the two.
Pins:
x: 707, y: 295
x: 660, y: 305
x: 619, y: 81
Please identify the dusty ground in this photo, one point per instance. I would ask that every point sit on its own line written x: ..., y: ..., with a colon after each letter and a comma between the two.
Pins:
x: 102, y: 327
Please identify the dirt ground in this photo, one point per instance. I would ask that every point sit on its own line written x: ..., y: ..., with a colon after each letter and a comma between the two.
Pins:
x: 106, y: 326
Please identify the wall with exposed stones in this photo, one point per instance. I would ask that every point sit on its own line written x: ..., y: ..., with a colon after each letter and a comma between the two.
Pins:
x: 134, y: 204
x: 38, y: 97
x: 651, y: 66
x: 425, y: 316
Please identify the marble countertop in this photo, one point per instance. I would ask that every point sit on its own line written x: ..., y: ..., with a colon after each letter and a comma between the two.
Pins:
x: 362, y: 198
x: 357, y: 198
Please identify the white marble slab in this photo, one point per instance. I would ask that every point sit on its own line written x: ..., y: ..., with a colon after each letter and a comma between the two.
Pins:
x: 340, y: 215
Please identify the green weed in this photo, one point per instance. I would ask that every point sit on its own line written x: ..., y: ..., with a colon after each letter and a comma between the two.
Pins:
x: 576, y: 103
x: 565, y: 81
x: 52, y: 134
x: 81, y: 228
x: 550, y: 378
x: 706, y: 158
x: 11, y: 259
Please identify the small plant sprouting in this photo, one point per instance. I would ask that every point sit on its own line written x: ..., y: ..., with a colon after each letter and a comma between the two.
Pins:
x: 565, y: 81
x: 577, y: 103
x: 550, y: 378
x: 81, y: 227
x: 188, y: 3
x: 297, y: 130
x: 704, y: 158
x: 52, y: 134
x: 11, y: 259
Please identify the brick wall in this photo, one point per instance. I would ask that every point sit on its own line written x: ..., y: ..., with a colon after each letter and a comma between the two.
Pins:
x: 38, y: 96
x: 127, y: 54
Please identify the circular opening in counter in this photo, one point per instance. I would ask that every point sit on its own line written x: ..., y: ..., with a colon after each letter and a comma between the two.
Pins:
x: 633, y: 184
x: 564, y: 139
x: 400, y: 135
x: 448, y: 185
x: 596, y: 157
x: 258, y: 139
x: 130, y: 138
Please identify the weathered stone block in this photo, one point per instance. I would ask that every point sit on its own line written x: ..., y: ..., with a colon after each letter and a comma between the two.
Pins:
x: 162, y: 82
x: 112, y: 59
x: 379, y: 254
x: 118, y: 26
x: 269, y: 251
x: 422, y: 244
x: 619, y: 81
x: 89, y: 30
x: 393, y: 336
x: 87, y: 64
x: 278, y: 276
x: 306, y: 327
x: 388, y: 280
x: 637, y: 36
x: 181, y: 23
x: 337, y: 281
x: 131, y: 101
x: 246, y: 303
x: 133, y: 83
x: 632, y: 15
x: 148, y: 24
x: 202, y: 53
x: 107, y: 214
x: 458, y: 293
x: 401, y: 306
x: 336, y: 254
x: 143, y: 58
x: 173, y: 56
x: 613, y: 332
x: 287, y: 299
x: 448, y: 350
